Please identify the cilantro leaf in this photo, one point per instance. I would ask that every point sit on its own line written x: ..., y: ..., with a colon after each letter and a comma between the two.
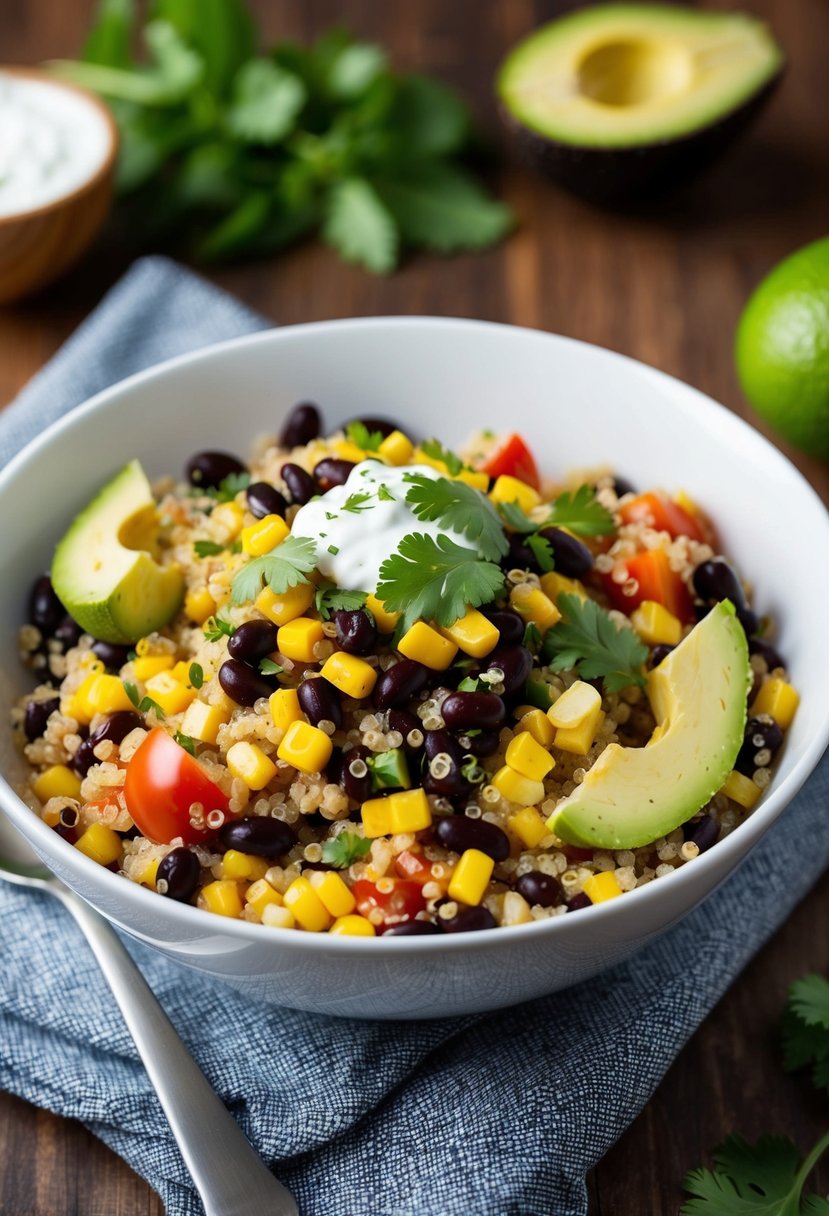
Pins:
x: 196, y: 675
x: 516, y: 518
x: 185, y: 741
x: 344, y: 849
x: 543, y: 552
x: 215, y: 628
x: 230, y: 486
x: 360, y: 227
x: 430, y: 119
x: 268, y: 668
x: 435, y: 449
x: 582, y: 513
x: 441, y: 207
x: 285, y: 567
x: 207, y: 548
x: 805, y: 1028
x: 358, y: 502
x: 266, y: 102
x: 144, y: 703
x: 458, y: 508
x: 436, y: 578
x: 330, y: 598
x: 359, y: 433
x: 588, y: 640
x: 765, y: 1179
x: 384, y: 493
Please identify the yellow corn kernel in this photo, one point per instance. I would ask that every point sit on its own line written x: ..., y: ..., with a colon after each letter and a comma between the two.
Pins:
x: 578, y: 702
x: 516, y: 910
x: 528, y: 826
x: 579, y: 739
x: 297, y: 639
x: 471, y: 477
x: 656, y: 625
x: 427, y: 646
x: 410, y: 811
x: 376, y: 816
x: 169, y: 693
x: 57, y: 782
x: 249, y: 763
x: 600, y: 887
x: 471, y: 877
x: 76, y: 705
x: 352, y: 676
x: 229, y: 517
x: 554, y: 584
x: 202, y: 721
x: 517, y: 788
x: 741, y: 789
x: 528, y: 757
x: 396, y: 448
x: 277, y: 917
x: 107, y: 695
x: 148, y: 876
x: 147, y: 666
x: 386, y: 622
x: 332, y: 891
x: 686, y: 502
x: 101, y: 844
x: 306, y: 906
x: 306, y: 747
x: 264, y: 535
x: 778, y: 699
x: 346, y: 450
x: 353, y: 926
x: 286, y: 607
x: 243, y: 865
x: 534, y: 606
x: 223, y: 898
x: 284, y: 707
x: 473, y: 634
x: 261, y: 895
x: 536, y: 723
x: 181, y: 671
x: 510, y: 489
x: 199, y: 605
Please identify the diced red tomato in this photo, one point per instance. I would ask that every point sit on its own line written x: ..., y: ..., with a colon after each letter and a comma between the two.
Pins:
x: 162, y: 782
x: 665, y: 514
x: 657, y: 581
x: 402, y: 902
x: 513, y: 459
x: 413, y: 866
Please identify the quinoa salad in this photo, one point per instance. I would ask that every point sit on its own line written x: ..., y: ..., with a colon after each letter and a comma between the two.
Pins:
x: 363, y: 684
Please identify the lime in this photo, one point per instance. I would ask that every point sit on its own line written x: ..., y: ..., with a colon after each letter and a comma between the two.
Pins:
x: 782, y: 348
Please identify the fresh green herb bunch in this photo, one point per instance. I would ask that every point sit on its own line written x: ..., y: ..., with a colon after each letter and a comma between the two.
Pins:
x: 234, y: 150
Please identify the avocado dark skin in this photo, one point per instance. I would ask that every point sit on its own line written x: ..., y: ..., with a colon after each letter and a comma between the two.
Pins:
x: 612, y: 177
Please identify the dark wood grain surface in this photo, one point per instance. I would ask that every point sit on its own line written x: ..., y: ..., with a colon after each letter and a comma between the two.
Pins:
x: 666, y: 285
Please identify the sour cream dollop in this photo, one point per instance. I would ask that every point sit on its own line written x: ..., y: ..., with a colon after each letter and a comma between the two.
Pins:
x: 52, y: 141
x: 352, y: 543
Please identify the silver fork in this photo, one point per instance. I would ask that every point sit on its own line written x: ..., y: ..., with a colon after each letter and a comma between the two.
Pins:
x: 231, y: 1178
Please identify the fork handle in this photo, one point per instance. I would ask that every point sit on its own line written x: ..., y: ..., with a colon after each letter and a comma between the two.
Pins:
x: 229, y: 1175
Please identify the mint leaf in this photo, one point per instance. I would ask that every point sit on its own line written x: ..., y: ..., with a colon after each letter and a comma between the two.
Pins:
x: 442, y: 208
x: 354, y: 70
x: 430, y: 119
x: 266, y: 103
x: 360, y: 227
x: 222, y: 31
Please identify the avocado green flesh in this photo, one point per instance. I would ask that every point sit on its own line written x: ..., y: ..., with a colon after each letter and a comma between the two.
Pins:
x: 616, y: 76
x: 633, y: 795
x: 104, y: 571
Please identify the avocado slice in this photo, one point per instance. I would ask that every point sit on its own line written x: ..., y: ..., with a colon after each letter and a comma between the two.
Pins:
x: 105, y: 571
x: 616, y: 100
x: 633, y: 795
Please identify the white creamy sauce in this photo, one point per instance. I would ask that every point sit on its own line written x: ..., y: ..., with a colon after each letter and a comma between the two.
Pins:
x: 353, y: 544
x: 52, y: 140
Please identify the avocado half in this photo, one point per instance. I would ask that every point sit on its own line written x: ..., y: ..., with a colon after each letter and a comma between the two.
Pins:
x: 616, y: 101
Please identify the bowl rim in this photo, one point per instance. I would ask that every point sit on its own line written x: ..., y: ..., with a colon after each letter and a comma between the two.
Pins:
x: 731, y: 851
x: 99, y: 176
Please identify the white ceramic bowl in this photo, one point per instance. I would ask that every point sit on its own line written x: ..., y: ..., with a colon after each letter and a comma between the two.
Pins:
x: 577, y: 405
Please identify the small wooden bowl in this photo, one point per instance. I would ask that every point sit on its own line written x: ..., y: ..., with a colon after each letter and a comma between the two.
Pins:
x: 40, y: 243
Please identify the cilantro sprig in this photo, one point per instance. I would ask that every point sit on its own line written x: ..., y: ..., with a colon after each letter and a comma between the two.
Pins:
x: 458, y: 508
x: 435, y: 449
x: 436, y: 579
x: 330, y: 598
x: 216, y: 628
x: 142, y: 704
x: 588, y: 640
x: 343, y: 850
x: 359, y: 434
x: 580, y: 512
x: 284, y: 567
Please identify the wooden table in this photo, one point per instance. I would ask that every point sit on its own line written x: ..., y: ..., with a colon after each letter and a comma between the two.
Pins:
x: 665, y: 285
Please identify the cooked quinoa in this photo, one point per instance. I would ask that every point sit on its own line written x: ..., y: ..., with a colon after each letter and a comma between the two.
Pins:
x: 339, y: 767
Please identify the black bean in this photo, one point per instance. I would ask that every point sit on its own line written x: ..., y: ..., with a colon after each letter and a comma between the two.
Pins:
x: 115, y: 728
x: 771, y: 738
x: 355, y: 632
x: 452, y: 783
x: 259, y: 834
x: 252, y: 641
x: 399, y: 683
x: 768, y: 652
x: 65, y: 833
x: 519, y: 556
x: 301, y: 426
x: 180, y: 871
x: 659, y: 653
x: 37, y: 715
x: 412, y: 928
x: 571, y: 557
x: 748, y: 620
x: 320, y: 701
x: 330, y: 472
x: 508, y: 623
x: 704, y: 833
x: 242, y: 684
x: 578, y: 901
x: 383, y: 425
x: 466, y: 920
x: 45, y: 609
x: 539, y: 888
x: 357, y: 787
x: 299, y: 483
x: 516, y: 662
x: 264, y: 499
x: 112, y: 655
x: 209, y: 469
x: 622, y: 486
x: 467, y: 710
x: 68, y: 633
x: 714, y: 580
x: 404, y: 722
x: 459, y: 832
x: 484, y: 744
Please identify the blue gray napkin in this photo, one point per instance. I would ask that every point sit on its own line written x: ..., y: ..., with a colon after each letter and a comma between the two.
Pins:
x: 496, y: 1115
